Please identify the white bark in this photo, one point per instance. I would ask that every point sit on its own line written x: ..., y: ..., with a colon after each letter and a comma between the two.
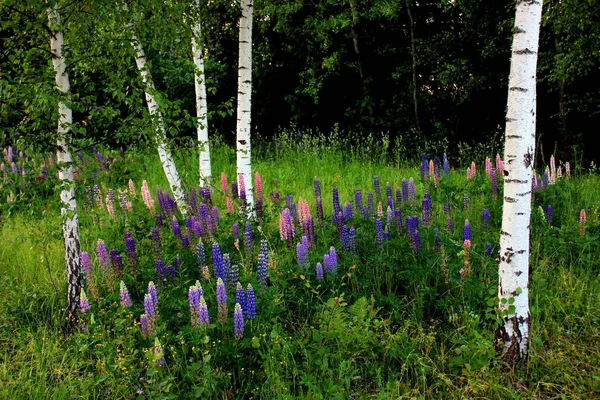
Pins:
x: 201, y: 106
x: 65, y: 168
x: 164, y: 153
x: 519, y: 153
x: 244, y: 166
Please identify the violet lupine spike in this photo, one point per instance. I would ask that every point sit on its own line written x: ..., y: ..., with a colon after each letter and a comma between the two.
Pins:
x: 102, y: 254
x: 156, y: 242
x: 379, y: 234
x: 417, y: 240
x: 466, y: 201
x: 377, y: 187
x: 240, y: 297
x: 221, y: 301
x: 326, y: 263
x: 250, y: 311
x: 200, y: 255
x: 124, y: 295
x: 345, y: 238
x: 319, y: 271
x: 171, y: 272
x: 352, y: 239
x: 467, y: 230
x: 488, y: 249
x: 263, y: 262
x: 412, y: 193
x: 248, y: 243
x: 338, y: 221
x: 194, y: 303
x: 424, y: 166
x: 390, y: 202
x: 333, y: 260
x: 348, y: 214
x: 319, y: 206
x: 227, y: 268
x: 336, y: 201
x: 159, y: 266
x: 317, y: 187
x: 485, y: 218
x: 234, y: 190
x: 446, y: 208
x: 301, y: 255
x: 116, y: 261
x: 159, y: 220
x: 445, y: 165
x: 388, y: 190
x: 426, y: 210
x: 218, y: 264
x: 84, y: 302
x: 449, y: 224
x: 238, y: 322
x: 234, y: 275
x: 389, y: 217
x: 203, y: 315
x: 175, y: 227
x: 86, y: 265
x: 289, y: 201
x: 150, y: 307
x: 358, y: 201
x: 549, y: 214
x: 235, y: 230
x: 404, y: 191
x: 398, y: 219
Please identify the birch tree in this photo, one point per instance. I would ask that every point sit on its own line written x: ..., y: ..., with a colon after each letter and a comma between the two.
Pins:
x: 65, y: 166
x: 513, y: 286
x: 201, y: 106
x: 244, y: 167
x: 164, y: 153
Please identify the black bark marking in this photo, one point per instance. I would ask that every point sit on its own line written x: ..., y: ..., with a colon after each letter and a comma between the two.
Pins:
x: 516, y: 181
x: 510, y: 199
x: 518, y: 29
x: 521, y: 251
x: 518, y: 89
x: 505, y: 233
x: 527, y: 159
x: 518, y: 273
x: 521, y: 213
x: 514, y: 137
x: 508, y: 119
x: 525, y: 51
x: 524, y: 194
x: 505, y: 173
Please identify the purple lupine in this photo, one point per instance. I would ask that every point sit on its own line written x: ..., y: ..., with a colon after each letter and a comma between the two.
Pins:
x: 426, y: 209
x: 320, y: 214
x: 263, y: 262
x: 294, y: 212
x: 197, y: 227
x: 238, y: 321
x: 467, y: 231
x: 485, y: 218
x: 333, y: 260
x: 416, y: 240
x: 84, y: 302
x: 494, y: 183
x: 215, y: 215
x: 404, y: 191
x: 286, y: 227
x: 200, y: 255
x: 205, y: 192
x: 317, y: 187
x: 388, y: 190
x: 338, y: 221
x: 370, y: 203
x: 171, y: 271
x: 234, y: 190
x: 178, y: 261
x: 412, y: 193
x: 242, y: 187
x: 159, y: 220
x: 130, y: 249
x: 221, y: 301
x: 377, y: 186
x: 449, y: 224
x: 336, y: 201
x: 549, y: 214
x: 227, y: 268
x: 116, y: 261
x: 398, y: 218
x: 352, y: 239
x: 438, y: 239
x: 159, y: 354
x: 203, y: 316
x: 235, y: 230
x: 248, y: 238
x: 348, y: 214
x: 151, y: 301
x: 86, y: 265
x: 250, y: 311
x: 436, y: 167
x: 302, y: 254
x: 398, y: 196
x: 488, y: 249
x: 345, y: 238
x: 240, y: 297
x: 175, y: 227
x: 319, y: 271
x: 390, y: 202
x: 156, y: 241
x: 234, y: 275
x: 159, y: 266
x: 379, y: 233
x: 193, y: 200
x: 358, y: 200
x: 102, y: 254
x: 446, y: 208
x: 308, y: 229
x: 194, y: 303
x: 389, y: 216
x: 124, y: 295
x: 424, y: 166
x: 445, y: 165
x: 218, y: 264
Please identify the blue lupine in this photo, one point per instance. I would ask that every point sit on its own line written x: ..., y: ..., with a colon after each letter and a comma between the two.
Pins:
x: 333, y: 260
x: 345, y: 238
x: 377, y: 186
x: 379, y: 233
x: 358, y: 200
x: 398, y: 218
x: 240, y: 297
x: 159, y: 266
x: 467, y: 231
x: 424, y: 166
x: 203, y: 316
x: 250, y: 311
x: 449, y: 224
x: 234, y: 190
x: 234, y: 275
x: 159, y: 220
x: 426, y: 209
x: 263, y: 262
x: 185, y: 241
x: 302, y: 255
x: 248, y: 238
x: 200, y: 256
x: 416, y: 240
x: 446, y: 208
x: 398, y: 196
x: 171, y: 271
x: 102, y: 253
x: 175, y: 227
x: 238, y: 322
x: 156, y: 241
x: 221, y: 301
x: 348, y: 211
x: 226, y: 267
x: 319, y: 271
x: 116, y: 261
x: 404, y: 191
x: 412, y: 193
x: 445, y: 164
x: 159, y: 354
x: 84, y: 303
x: 485, y: 218
x: 317, y: 187
x: 235, y: 230
x: 352, y: 239
x: 336, y: 201
x: 549, y: 214
x: 390, y: 202
x: 488, y: 249
x: 389, y: 216
x: 218, y: 264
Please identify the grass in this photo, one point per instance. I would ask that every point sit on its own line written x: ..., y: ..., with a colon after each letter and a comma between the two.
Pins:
x: 388, y: 325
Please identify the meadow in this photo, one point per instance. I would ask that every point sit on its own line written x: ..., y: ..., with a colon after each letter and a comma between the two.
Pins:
x: 354, y: 279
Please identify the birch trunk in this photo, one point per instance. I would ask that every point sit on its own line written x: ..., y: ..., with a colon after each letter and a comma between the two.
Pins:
x: 164, y: 153
x: 201, y: 106
x: 513, y: 286
x: 65, y: 169
x: 244, y: 167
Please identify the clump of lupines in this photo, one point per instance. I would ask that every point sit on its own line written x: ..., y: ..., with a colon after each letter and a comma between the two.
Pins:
x: 124, y: 295
x: 221, y: 301
x: 250, y: 303
x: 582, y: 219
x: 263, y: 262
x: 238, y: 321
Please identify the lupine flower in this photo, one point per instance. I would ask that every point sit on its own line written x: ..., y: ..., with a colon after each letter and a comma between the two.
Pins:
x: 159, y: 266
x: 203, y: 316
x: 317, y: 187
x: 426, y: 209
x: 431, y: 169
x: 446, y: 208
x: 358, y: 200
x: 416, y: 240
x: 494, y: 179
x: 124, y: 295
x: 286, y: 226
x: 549, y: 214
x: 398, y: 219
x: 156, y: 241
x: 235, y: 230
x: 130, y: 249
x: 319, y: 206
x: 194, y: 303
x: 319, y: 271
x: 582, y: 219
x: 250, y: 310
x: 102, y: 253
x: 333, y: 260
x: 345, y: 238
x: 379, y: 210
x: 302, y: 254
x: 234, y: 190
x: 84, y: 303
x: 238, y: 321
x: 352, y: 239
x: 153, y: 293
x: 116, y: 261
x: 379, y: 233
x: 488, y: 167
x: 377, y: 186
x: 224, y: 182
x: 424, y: 166
x: 221, y: 301
x: 390, y: 202
x: 485, y: 218
x: 200, y: 256
x: 488, y: 249
x: 467, y: 231
x: 110, y: 206
x: 86, y: 265
x: 499, y: 163
x: 445, y: 165
x: 159, y: 220
x: 175, y: 227
x: 171, y: 271
x: 370, y: 203
x: 240, y: 297
x: 412, y: 193
x: 263, y: 262
x: 336, y: 201
x: 248, y: 238
x: 404, y: 191
x: 348, y: 211
x: 242, y: 188
x: 449, y: 224
x: 218, y: 263
x: 159, y: 354
x: 226, y: 266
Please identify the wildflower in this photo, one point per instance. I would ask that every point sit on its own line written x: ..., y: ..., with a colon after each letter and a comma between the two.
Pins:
x: 404, y: 191
x: 352, y: 239
x: 200, y: 256
x: 488, y: 249
x: 124, y: 295
x: 377, y: 186
x: 317, y: 187
x: 345, y: 238
x: 549, y: 214
x: 250, y: 303
x: 485, y: 218
x: 116, y: 261
x: 221, y: 301
x: 379, y: 233
x: 175, y: 228
x: 358, y: 200
x: 467, y: 231
x: 336, y: 201
x: 130, y: 249
x: 412, y: 194
x: 156, y: 241
x: 102, y: 253
x: 248, y: 238
x: 445, y: 165
x: 582, y: 219
x: 263, y: 262
x: 319, y: 271
x: 84, y: 303
x: 234, y: 275
x: 218, y: 263
x: 159, y: 267
x: 238, y: 321
x: 159, y: 354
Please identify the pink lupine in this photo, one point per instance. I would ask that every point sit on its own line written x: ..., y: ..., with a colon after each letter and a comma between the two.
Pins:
x: 582, y: 219
x: 147, y: 197
x: 224, y: 184
x: 258, y: 189
x: 132, y: 189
